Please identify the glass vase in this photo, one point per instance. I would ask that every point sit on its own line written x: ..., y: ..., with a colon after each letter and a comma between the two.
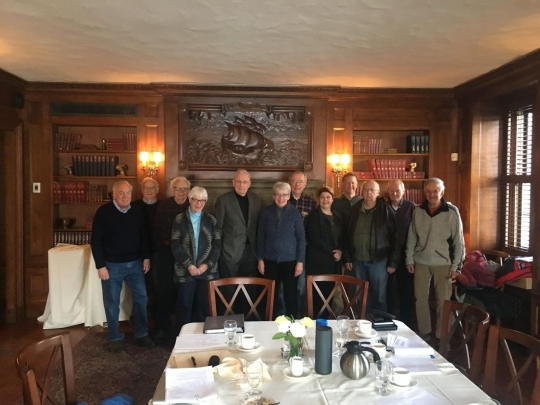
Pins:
x: 295, y: 347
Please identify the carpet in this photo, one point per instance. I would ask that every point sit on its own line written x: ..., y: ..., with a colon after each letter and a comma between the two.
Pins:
x: 100, y: 374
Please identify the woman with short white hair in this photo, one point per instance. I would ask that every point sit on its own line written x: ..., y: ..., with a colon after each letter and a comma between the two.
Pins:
x: 195, y: 244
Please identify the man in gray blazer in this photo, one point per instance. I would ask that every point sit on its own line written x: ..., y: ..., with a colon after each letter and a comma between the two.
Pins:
x: 237, y: 212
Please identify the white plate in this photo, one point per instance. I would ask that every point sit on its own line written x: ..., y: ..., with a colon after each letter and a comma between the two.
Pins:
x: 363, y: 335
x: 412, y: 384
x: 305, y: 374
x: 239, y: 347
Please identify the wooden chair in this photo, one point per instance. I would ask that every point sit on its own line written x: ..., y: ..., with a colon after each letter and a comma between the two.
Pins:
x: 495, y: 255
x: 499, y: 338
x: 355, y: 307
x: 470, y: 325
x: 241, y: 282
x: 36, y: 363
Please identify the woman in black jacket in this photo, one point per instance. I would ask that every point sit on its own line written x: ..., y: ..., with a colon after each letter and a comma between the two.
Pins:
x: 325, y: 244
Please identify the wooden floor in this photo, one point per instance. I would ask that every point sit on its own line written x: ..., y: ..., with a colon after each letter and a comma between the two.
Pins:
x: 13, y: 337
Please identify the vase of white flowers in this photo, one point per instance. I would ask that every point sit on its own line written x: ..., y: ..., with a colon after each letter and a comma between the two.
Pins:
x: 292, y: 331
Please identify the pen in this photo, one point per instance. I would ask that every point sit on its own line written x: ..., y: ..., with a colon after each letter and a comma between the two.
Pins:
x: 193, y: 361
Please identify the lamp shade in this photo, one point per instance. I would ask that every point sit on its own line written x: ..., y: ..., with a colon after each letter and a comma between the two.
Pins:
x: 158, y: 157
x: 143, y: 157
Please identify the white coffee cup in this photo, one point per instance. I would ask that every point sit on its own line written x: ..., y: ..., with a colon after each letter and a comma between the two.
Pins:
x: 401, y: 376
x: 364, y: 326
x: 247, y: 341
x: 297, y: 366
x: 380, y: 349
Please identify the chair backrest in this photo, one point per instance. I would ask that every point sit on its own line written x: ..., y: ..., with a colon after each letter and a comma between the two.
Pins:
x: 36, y: 363
x: 354, y: 307
x: 268, y: 286
x: 467, y: 325
x: 495, y: 255
x: 509, y: 390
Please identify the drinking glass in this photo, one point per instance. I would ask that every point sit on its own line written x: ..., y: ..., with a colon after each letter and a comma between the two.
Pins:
x: 254, y: 377
x: 383, y: 372
x: 230, y: 331
x: 341, y: 335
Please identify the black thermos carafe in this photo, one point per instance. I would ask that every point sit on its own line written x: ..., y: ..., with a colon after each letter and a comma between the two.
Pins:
x: 323, y: 350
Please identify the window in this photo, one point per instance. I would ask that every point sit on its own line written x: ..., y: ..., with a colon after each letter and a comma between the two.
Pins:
x: 517, y: 177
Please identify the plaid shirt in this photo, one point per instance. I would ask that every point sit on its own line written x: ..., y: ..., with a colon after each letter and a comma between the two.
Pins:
x: 304, y: 205
x: 165, y: 214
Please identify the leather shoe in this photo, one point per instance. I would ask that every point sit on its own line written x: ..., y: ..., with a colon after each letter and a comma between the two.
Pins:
x: 145, y: 341
x: 116, y: 346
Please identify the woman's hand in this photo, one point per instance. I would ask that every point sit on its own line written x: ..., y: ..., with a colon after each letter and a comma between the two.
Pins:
x: 337, y: 254
x: 298, y: 269
x: 202, y: 268
x: 193, y: 270
x: 260, y: 266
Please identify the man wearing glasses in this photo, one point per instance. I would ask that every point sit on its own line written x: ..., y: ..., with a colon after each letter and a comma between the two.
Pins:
x: 165, y: 297
x: 435, y: 248
x: 373, y: 243
x: 304, y: 204
x: 237, y: 212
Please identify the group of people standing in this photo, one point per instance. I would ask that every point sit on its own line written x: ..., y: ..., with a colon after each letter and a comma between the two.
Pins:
x: 185, y: 247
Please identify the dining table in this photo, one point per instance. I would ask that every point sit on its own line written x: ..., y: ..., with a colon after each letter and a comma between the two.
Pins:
x: 436, y: 381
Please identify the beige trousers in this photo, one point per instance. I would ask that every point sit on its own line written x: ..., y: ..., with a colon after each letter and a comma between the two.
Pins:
x: 442, y: 281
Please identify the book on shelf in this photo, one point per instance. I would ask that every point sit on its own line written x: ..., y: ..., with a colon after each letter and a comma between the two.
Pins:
x: 64, y: 141
x: 130, y: 142
x: 95, y: 166
x: 417, y: 143
x: 81, y: 237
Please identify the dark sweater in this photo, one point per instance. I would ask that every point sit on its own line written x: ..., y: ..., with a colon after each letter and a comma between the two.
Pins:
x: 149, y: 212
x: 118, y: 237
x: 281, y: 239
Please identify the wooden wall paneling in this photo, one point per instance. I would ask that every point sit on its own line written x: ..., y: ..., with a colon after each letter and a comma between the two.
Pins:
x: 172, y: 110
x: 36, y: 290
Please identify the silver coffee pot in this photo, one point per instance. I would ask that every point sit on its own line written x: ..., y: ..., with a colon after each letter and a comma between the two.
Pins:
x: 354, y: 363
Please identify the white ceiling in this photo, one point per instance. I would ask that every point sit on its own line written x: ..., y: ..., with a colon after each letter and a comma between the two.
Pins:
x: 352, y: 43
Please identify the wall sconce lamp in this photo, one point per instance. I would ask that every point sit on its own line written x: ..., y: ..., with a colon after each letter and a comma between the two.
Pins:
x: 150, y: 161
x: 339, y: 164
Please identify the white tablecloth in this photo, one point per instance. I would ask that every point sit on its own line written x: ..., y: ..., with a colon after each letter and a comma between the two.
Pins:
x: 446, y: 384
x: 75, y: 294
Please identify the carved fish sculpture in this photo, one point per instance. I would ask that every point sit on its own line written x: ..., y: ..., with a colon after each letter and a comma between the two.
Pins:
x: 243, y: 141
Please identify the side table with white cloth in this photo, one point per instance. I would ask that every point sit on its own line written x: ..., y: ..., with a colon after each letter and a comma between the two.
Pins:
x: 75, y: 294
x: 442, y: 384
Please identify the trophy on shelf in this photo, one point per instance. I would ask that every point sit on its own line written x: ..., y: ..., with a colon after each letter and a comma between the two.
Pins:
x: 69, y: 170
x: 66, y: 223
x: 412, y: 166
x: 122, y: 170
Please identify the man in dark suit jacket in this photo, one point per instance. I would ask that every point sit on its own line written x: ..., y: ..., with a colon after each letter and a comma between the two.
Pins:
x: 236, y: 213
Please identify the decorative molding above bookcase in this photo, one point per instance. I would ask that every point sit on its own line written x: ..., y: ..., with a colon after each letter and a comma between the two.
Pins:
x: 88, y: 160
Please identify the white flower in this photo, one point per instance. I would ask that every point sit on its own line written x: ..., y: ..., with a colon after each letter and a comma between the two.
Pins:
x: 298, y: 330
x: 307, y: 322
x: 284, y: 325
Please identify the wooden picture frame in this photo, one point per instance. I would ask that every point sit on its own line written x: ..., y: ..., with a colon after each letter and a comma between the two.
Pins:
x: 247, y: 135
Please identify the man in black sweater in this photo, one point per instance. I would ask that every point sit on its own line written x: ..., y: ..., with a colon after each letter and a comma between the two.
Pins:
x: 121, y: 252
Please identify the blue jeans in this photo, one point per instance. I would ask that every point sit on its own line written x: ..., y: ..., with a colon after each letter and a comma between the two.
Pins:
x: 377, y: 277
x: 132, y: 273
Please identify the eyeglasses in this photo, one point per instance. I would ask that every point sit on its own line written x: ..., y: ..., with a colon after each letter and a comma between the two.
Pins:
x: 242, y: 182
x: 197, y: 201
x: 281, y: 195
x: 296, y: 181
x: 184, y: 189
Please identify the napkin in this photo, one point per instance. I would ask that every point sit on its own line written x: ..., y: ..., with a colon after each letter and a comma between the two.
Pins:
x: 232, y: 368
x: 413, y: 347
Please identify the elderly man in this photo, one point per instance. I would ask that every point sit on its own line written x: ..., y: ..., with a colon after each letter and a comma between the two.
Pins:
x: 348, y: 198
x: 373, y: 244
x: 403, y: 210
x: 163, y: 280
x: 435, y: 248
x: 149, y: 204
x: 237, y: 213
x: 120, y: 249
x: 304, y: 204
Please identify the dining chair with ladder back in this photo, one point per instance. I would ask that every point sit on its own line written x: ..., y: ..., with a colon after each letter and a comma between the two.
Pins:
x: 464, y: 327
x: 36, y: 363
x: 510, y: 390
x: 264, y: 299
x: 355, y: 307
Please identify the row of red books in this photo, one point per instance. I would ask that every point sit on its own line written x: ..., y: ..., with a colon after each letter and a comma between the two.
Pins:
x: 94, y: 165
x: 72, y: 237
x: 130, y: 141
x: 79, y: 192
x: 67, y: 141
x: 364, y: 144
x: 396, y: 174
x: 416, y: 195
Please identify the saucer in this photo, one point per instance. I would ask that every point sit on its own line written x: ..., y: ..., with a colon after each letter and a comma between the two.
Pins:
x: 363, y: 335
x: 239, y: 347
x: 305, y: 374
x: 412, y: 384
